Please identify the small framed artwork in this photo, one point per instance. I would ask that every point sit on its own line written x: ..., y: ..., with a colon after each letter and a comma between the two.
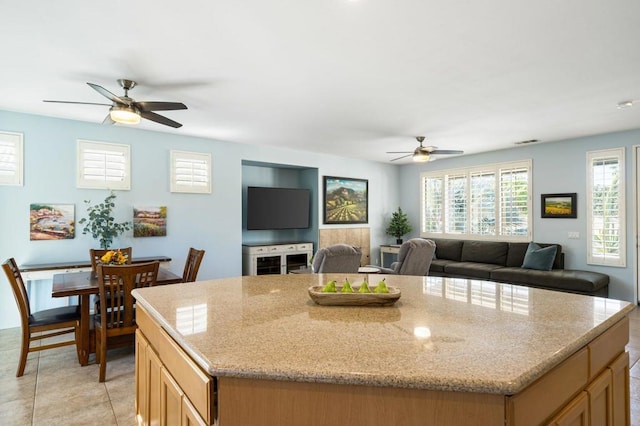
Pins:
x: 559, y: 205
x: 150, y: 221
x: 346, y: 200
x: 52, y: 221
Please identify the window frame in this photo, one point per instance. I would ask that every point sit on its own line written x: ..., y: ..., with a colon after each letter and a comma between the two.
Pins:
x: 497, y: 169
x: 604, y: 260
x: 120, y: 149
x: 175, y: 186
x: 16, y: 140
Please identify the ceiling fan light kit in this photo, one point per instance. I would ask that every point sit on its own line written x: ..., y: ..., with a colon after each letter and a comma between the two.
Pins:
x: 124, y: 114
x: 420, y: 156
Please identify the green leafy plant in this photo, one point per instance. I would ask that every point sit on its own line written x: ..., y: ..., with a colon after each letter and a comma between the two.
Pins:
x: 399, y: 224
x: 100, y: 222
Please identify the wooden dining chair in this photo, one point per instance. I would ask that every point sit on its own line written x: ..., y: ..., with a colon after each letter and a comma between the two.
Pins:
x: 115, y: 325
x: 192, y: 264
x: 96, y: 255
x: 45, y: 323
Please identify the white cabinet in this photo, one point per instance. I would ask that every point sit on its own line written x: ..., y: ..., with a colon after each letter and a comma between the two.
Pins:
x: 388, y: 254
x: 275, y: 258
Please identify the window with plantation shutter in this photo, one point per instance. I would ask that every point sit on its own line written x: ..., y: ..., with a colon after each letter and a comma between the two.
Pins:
x: 514, y: 201
x: 605, y: 208
x: 432, y: 204
x: 456, y: 202
x: 11, y: 159
x: 190, y: 172
x: 103, y: 165
x: 484, y: 202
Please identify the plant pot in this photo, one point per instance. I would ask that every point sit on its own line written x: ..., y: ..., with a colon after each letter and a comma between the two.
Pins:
x: 399, y: 241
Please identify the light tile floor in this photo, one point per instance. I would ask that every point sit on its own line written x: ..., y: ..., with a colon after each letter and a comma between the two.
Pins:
x: 55, y: 390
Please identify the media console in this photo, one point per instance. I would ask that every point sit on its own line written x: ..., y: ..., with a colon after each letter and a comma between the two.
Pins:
x: 280, y: 258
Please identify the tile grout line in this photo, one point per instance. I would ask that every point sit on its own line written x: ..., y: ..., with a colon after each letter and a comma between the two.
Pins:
x: 35, y: 391
x: 113, y: 410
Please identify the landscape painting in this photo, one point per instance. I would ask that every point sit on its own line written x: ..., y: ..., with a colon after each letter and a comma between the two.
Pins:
x: 345, y: 200
x: 559, y: 205
x: 150, y: 221
x: 52, y: 221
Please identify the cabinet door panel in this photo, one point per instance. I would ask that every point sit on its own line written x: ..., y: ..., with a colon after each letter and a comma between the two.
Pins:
x: 142, y: 386
x: 190, y: 416
x: 171, y: 401
x: 600, y: 402
x: 620, y: 390
x: 154, y: 372
x: 574, y: 414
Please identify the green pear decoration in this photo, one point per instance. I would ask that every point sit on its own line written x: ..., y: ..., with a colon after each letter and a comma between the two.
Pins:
x: 330, y: 287
x: 364, y: 288
x: 381, y: 287
x: 346, y: 287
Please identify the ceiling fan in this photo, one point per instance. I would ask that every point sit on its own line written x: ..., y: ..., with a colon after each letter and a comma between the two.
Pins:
x: 126, y: 110
x: 423, y: 153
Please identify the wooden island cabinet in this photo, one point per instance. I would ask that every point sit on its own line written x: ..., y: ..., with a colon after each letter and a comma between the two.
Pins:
x: 257, y: 351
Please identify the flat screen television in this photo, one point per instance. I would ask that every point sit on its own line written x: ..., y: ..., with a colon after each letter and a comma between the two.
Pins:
x: 277, y: 208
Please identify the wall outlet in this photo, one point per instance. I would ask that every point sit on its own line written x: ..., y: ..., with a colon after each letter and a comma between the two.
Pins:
x: 574, y: 235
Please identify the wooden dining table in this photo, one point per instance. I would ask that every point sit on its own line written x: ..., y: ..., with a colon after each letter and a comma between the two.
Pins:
x: 83, y: 285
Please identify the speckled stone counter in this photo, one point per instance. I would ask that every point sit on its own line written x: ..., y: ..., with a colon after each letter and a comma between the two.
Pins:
x: 443, y: 334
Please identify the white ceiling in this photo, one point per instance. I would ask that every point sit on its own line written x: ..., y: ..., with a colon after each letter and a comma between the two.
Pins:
x: 350, y: 77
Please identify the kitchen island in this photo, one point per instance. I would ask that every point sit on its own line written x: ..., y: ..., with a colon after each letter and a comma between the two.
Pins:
x: 256, y: 350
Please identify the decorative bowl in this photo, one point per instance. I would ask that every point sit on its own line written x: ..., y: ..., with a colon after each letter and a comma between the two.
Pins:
x: 355, y: 298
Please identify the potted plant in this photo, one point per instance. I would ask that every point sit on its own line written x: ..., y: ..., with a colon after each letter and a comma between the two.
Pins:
x: 101, y: 224
x: 399, y: 225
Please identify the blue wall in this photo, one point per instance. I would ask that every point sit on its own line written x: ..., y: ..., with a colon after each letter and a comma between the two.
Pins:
x: 274, y: 175
x: 212, y: 222
x: 558, y: 167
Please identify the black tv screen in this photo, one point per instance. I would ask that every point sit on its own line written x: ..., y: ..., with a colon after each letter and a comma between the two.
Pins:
x: 277, y: 208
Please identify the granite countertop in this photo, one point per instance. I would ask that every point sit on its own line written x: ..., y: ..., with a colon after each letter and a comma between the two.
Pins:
x: 443, y: 334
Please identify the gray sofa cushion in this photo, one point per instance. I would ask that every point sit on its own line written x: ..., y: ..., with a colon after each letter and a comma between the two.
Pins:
x: 471, y: 269
x: 585, y: 282
x: 448, y: 249
x: 438, y: 265
x: 485, y: 252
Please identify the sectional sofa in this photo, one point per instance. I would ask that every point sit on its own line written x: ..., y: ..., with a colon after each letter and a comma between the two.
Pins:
x: 503, y: 262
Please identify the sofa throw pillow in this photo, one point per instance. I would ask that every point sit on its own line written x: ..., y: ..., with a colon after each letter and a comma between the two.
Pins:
x: 539, y: 258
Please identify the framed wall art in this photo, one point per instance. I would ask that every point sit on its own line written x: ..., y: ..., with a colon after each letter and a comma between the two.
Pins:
x: 150, y: 221
x: 559, y: 205
x: 52, y: 221
x: 346, y: 200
